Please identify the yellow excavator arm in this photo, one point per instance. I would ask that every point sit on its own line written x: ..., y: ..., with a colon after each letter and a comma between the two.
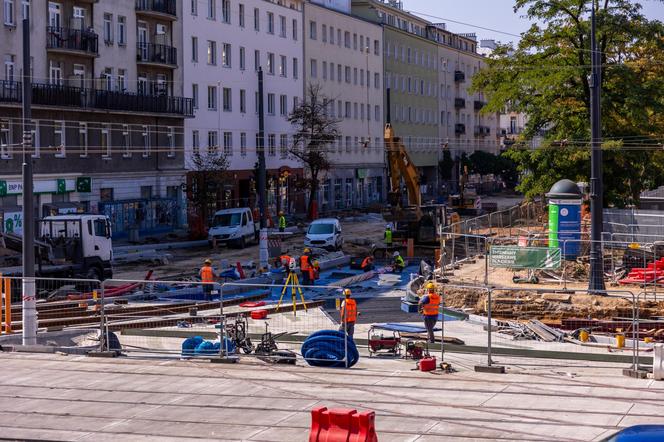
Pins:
x: 400, y: 166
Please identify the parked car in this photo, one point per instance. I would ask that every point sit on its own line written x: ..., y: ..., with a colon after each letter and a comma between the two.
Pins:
x: 324, y: 233
x: 233, y: 227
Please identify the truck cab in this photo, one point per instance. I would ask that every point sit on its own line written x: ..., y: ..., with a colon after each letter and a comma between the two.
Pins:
x: 83, y: 240
x: 233, y: 227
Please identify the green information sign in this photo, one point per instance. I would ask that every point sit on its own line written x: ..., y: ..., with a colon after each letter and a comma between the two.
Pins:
x: 553, y: 225
x: 3, y: 188
x: 514, y: 257
x: 84, y: 184
x: 61, y: 186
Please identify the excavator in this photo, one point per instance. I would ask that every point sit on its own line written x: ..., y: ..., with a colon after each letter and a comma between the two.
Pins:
x: 465, y: 202
x: 411, y: 220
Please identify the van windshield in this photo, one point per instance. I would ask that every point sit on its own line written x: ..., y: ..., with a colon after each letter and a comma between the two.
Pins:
x: 227, y: 220
x: 320, y: 229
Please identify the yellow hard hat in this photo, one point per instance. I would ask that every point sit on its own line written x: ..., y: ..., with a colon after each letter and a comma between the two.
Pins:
x: 431, y: 286
x: 347, y: 292
x: 208, y: 261
x: 307, y: 250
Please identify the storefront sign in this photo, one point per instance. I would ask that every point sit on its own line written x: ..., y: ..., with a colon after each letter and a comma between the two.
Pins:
x: 13, y: 222
x: 514, y: 257
x: 57, y: 186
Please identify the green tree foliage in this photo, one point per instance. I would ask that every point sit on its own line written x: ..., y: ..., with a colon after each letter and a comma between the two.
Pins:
x: 546, y: 76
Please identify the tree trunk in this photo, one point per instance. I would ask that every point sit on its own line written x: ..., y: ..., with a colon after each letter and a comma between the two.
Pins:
x: 313, y: 201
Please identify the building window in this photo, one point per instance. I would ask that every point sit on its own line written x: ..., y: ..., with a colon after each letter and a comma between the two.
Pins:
x: 347, y: 113
x: 126, y: 141
x: 294, y: 29
x: 145, y: 135
x: 212, y: 52
x: 241, y: 15
x: 227, y: 99
x: 243, y: 101
x: 226, y: 11
x: 270, y: 63
x: 212, y: 98
x: 228, y: 143
x: 9, y: 67
x: 377, y: 80
x: 324, y: 70
x: 282, y: 26
x: 194, y: 49
x: 270, y: 104
x: 83, y: 139
x: 211, y: 9
x: 25, y: 9
x: 106, y: 141
x: 106, y: 194
x: 283, y: 145
x: 195, y: 142
x: 257, y: 19
x: 55, y: 73
x: 355, y: 41
x: 347, y: 74
x: 313, y: 30
x: 283, y: 62
x: 323, y: 33
x: 243, y: 144
x: 108, y: 28
x: 331, y: 71
x: 331, y: 35
x: 257, y: 60
x: 213, y: 141
x: 59, y: 139
x: 295, y: 68
x: 283, y: 105
x: 122, y: 80
x: 194, y: 95
x: 270, y: 23
x: 314, y: 68
x: 226, y: 55
x: 243, y: 61
x: 5, y: 139
x: 194, y: 7
x: 347, y: 39
x: 9, y: 12
x: 146, y: 192
x: 271, y: 145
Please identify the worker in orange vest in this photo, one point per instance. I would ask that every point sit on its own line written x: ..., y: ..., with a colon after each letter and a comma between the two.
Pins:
x: 367, y: 264
x: 208, y: 276
x: 348, y: 314
x: 306, y: 267
x: 430, y: 308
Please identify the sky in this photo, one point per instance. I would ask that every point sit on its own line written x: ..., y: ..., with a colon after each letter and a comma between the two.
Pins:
x: 493, y: 14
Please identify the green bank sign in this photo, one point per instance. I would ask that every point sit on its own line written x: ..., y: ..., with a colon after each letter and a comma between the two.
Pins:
x: 514, y: 257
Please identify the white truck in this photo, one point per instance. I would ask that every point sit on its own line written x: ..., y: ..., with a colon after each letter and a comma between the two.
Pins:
x: 66, y: 246
x: 233, y: 227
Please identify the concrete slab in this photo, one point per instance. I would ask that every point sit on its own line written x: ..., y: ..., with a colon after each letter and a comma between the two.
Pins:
x: 49, y: 396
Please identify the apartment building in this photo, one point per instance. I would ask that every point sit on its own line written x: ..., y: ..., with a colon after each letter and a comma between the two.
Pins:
x: 343, y: 55
x: 107, y: 110
x: 429, y: 70
x: 226, y: 42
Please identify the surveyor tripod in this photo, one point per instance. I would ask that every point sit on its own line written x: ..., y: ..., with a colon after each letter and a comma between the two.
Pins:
x: 293, y: 282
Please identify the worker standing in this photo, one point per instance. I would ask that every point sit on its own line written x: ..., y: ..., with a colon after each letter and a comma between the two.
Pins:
x: 430, y: 307
x: 348, y: 314
x: 388, y: 236
x: 208, y: 276
x: 282, y: 222
x: 367, y: 264
x: 305, y: 267
x: 398, y: 263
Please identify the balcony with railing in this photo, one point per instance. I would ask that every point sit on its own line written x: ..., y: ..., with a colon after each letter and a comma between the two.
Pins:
x: 459, y: 76
x: 159, y: 8
x: 459, y: 129
x: 70, y: 40
x: 482, y: 131
x: 156, y: 54
x: 459, y: 103
x: 85, y: 98
x: 478, y: 104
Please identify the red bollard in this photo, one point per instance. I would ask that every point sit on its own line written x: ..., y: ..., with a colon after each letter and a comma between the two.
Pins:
x: 363, y: 428
x: 342, y: 425
x: 319, y: 423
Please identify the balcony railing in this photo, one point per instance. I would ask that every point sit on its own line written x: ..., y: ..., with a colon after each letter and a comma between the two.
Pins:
x: 459, y: 76
x: 459, y: 103
x: 482, y: 130
x: 160, y: 6
x: 156, y: 53
x: 72, y: 40
x: 459, y: 129
x: 69, y: 96
x: 479, y: 104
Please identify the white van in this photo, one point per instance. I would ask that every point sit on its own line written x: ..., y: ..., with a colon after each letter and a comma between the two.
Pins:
x: 233, y: 227
x: 324, y: 233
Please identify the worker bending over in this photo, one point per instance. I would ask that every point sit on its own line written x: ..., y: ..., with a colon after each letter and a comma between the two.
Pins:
x: 398, y: 263
x: 208, y: 276
x: 306, y: 267
x: 367, y: 264
x: 387, y: 236
x: 282, y: 222
x: 348, y: 314
x: 430, y: 307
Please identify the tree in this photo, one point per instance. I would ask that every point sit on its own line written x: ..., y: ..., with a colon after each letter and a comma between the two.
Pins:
x: 546, y: 76
x: 315, y: 130
x: 207, y: 179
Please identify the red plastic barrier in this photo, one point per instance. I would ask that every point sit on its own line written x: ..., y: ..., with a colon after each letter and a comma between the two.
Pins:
x: 252, y: 304
x: 258, y: 314
x: 342, y: 425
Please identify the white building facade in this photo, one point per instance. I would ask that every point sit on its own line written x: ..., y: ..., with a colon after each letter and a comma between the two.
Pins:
x: 225, y: 43
x: 343, y: 55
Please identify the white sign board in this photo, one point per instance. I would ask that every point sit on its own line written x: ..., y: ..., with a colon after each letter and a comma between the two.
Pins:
x: 40, y: 186
x: 13, y: 223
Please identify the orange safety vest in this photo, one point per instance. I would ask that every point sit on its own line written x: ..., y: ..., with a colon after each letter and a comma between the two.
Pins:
x: 285, y: 260
x: 349, y: 310
x: 367, y: 262
x: 433, y: 307
x: 207, y: 275
x: 304, y: 263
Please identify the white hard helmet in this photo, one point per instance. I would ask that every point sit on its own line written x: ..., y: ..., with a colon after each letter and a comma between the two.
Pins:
x: 389, y: 226
x: 395, y: 254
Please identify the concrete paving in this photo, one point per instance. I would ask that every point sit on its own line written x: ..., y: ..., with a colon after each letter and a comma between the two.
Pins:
x: 58, y: 397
